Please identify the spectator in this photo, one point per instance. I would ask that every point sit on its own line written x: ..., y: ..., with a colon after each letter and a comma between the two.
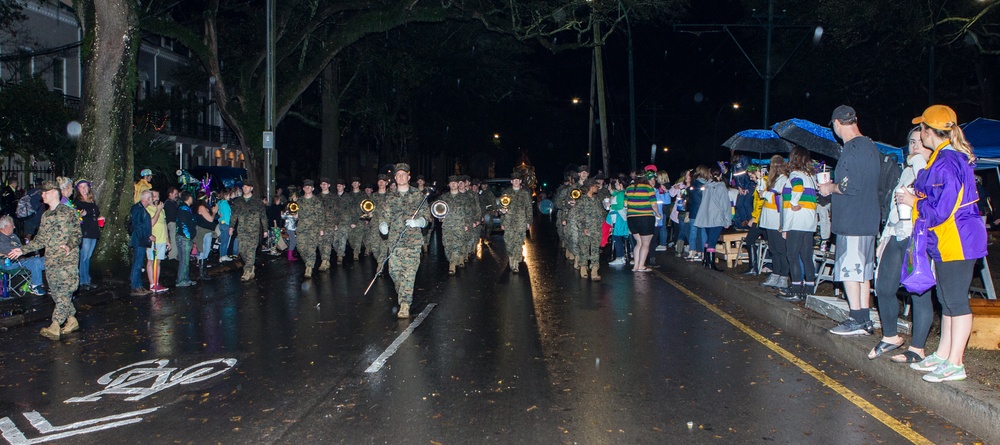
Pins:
x: 640, y: 202
x: 945, y: 204
x: 89, y: 212
x: 891, y: 248
x: 855, y: 219
x: 679, y: 214
x: 744, y: 185
x: 156, y: 253
x: 31, y: 222
x: 144, y: 183
x: 696, y: 236
x: 617, y: 218
x: 185, y: 227
x: 224, y: 217
x: 65, y: 185
x: 170, y: 212
x: 205, y: 222
x: 8, y: 200
x: 770, y: 221
x: 754, y: 231
x: 35, y: 264
x: 715, y: 213
x: 290, y: 222
x: 662, y: 201
x: 798, y: 224
x: 140, y: 238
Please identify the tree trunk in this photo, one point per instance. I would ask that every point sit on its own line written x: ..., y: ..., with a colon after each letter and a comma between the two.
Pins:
x: 104, y: 151
x: 330, y: 150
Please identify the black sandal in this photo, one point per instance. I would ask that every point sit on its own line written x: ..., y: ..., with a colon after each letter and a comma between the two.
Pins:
x: 908, y: 356
x: 883, y: 347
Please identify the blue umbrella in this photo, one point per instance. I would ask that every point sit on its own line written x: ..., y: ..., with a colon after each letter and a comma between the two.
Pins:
x: 758, y: 141
x: 811, y: 136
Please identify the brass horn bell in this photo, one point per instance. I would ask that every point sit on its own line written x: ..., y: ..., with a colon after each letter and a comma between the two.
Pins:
x: 575, y: 194
x: 439, y: 209
x: 367, y: 206
x: 293, y: 207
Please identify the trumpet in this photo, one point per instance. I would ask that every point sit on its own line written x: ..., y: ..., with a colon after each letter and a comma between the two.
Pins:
x: 504, y: 202
x: 439, y: 209
x: 575, y: 194
x: 367, y: 206
x: 292, y: 207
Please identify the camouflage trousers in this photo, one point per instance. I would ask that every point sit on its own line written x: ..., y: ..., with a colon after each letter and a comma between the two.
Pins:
x: 325, y: 245
x: 249, y: 253
x: 513, y: 238
x: 377, y: 246
x: 63, y: 281
x: 571, y: 237
x: 340, y: 241
x: 453, y: 239
x: 589, y: 247
x: 308, y: 242
x: 356, y: 238
x: 403, y: 265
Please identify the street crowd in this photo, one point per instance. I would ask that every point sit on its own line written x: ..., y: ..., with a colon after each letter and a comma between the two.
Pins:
x: 790, y: 205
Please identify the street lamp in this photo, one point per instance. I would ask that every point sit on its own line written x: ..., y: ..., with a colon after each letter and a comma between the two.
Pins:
x: 734, y: 106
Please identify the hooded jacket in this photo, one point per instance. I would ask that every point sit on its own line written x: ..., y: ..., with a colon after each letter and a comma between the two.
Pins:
x: 946, y: 202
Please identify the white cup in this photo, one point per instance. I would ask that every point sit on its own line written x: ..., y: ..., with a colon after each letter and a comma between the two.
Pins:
x: 905, y: 212
x: 823, y: 177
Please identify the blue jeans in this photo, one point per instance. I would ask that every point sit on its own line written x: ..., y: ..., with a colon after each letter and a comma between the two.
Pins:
x: 206, y: 247
x: 696, y: 238
x: 138, y: 261
x: 183, y: 261
x: 86, y: 251
x: 35, y: 265
x: 224, y: 241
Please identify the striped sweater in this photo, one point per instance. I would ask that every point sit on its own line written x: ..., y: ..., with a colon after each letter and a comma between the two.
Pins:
x: 800, y: 190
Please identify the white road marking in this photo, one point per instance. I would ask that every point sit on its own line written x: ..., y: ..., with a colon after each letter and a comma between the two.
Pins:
x: 14, y: 436
x: 380, y: 361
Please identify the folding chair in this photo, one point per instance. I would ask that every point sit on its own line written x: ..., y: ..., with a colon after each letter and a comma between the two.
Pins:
x: 16, y: 280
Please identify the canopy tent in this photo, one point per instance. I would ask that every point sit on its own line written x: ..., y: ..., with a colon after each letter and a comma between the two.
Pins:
x: 984, y: 136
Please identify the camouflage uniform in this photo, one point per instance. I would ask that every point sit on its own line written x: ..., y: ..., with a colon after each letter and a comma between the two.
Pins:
x: 561, y: 202
x: 312, y: 218
x: 590, y: 215
x: 60, y: 227
x: 572, y: 230
x: 454, y: 229
x: 329, y: 222
x: 341, y: 214
x: 356, y: 234
x: 250, y: 219
x: 515, y: 223
x: 473, y: 215
x: 405, y: 260
x: 377, y: 245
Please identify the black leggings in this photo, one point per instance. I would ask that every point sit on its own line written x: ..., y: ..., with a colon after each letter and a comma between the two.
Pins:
x: 776, y: 245
x: 953, y: 280
x: 886, y: 286
x: 799, y: 248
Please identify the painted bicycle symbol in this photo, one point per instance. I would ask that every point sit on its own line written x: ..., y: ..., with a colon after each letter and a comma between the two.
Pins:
x: 145, y: 378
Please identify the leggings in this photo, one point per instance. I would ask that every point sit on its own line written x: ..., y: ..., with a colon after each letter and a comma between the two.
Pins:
x: 886, y: 285
x: 799, y: 251
x: 953, y: 280
x: 711, y: 235
x: 776, y: 245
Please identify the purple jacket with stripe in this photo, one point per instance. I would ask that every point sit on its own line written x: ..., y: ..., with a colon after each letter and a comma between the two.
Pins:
x: 947, y: 196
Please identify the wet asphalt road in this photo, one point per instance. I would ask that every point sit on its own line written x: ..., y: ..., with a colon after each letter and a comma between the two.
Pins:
x: 538, y: 357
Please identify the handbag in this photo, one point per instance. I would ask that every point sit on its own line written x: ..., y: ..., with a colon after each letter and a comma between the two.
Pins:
x: 917, y: 274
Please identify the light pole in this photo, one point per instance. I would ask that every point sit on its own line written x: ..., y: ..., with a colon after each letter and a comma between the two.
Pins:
x: 735, y: 106
x: 590, y: 129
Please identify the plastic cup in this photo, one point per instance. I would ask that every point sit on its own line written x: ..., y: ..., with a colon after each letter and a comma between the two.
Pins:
x: 823, y: 177
x: 100, y: 221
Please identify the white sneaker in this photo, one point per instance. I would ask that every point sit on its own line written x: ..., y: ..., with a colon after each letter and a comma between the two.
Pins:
x: 617, y: 262
x: 223, y: 259
x: 661, y: 248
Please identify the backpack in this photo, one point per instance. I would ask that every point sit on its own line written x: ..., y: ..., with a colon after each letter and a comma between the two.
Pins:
x: 24, y: 207
x: 888, y: 177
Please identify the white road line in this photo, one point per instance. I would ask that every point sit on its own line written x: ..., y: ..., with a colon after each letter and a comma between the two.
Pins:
x: 380, y: 361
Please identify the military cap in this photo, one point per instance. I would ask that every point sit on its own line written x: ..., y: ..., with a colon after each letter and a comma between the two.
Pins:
x: 308, y: 182
x: 247, y: 184
x: 402, y: 166
x: 355, y: 179
x: 340, y: 181
x: 48, y: 185
x: 582, y: 168
x: 324, y: 179
x: 516, y: 175
x: 383, y: 177
x: 453, y: 178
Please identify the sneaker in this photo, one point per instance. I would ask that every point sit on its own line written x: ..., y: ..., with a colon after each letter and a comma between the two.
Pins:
x: 929, y: 363
x: 661, y: 248
x: 184, y: 283
x: 947, y: 372
x: 617, y: 262
x: 37, y: 290
x: 852, y: 327
x: 223, y: 259
x: 158, y: 288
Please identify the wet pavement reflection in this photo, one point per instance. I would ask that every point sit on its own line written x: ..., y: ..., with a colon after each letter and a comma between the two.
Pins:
x: 542, y: 356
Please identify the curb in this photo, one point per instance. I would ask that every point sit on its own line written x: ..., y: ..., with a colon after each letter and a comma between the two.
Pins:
x: 971, y: 405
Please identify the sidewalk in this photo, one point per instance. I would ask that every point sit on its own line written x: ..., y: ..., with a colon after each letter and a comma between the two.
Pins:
x: 971, y: 405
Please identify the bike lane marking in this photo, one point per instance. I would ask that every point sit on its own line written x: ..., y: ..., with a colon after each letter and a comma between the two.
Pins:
x: 826, y: 380
x: 380, y: 361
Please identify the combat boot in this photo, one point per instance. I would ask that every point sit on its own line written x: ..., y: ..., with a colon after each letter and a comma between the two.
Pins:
x: 570, y: 256
x: 340, y: 260
x: 583, y: 272
x: 451, y: 268
x: 576, y: 263
x: 70, y: 326
x: 309, y: 272
x: 404, y: 310
x: 51, y: 332
x: 593, y: 273
x: 356, y: 256
x: 324, y: 266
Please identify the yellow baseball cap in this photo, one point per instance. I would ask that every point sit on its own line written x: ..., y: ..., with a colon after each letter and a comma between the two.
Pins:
x: 938, y: 117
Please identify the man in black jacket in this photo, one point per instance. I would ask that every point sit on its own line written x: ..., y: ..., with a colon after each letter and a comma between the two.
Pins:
x: 141, y: 238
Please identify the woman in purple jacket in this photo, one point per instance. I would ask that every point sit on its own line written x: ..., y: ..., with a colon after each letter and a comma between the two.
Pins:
x: 945, y: 200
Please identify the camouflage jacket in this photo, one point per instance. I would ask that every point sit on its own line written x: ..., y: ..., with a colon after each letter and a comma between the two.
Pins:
x: 249, y: 215
x: 398, y: 208
x: 312, y: 215
x: 590, y: 214
x: 519, y: 211
x: 457, y: 211
x: 60, y: 227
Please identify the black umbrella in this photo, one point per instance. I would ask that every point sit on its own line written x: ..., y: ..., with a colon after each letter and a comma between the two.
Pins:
x: 811, y: 136
x: 758, y: 141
